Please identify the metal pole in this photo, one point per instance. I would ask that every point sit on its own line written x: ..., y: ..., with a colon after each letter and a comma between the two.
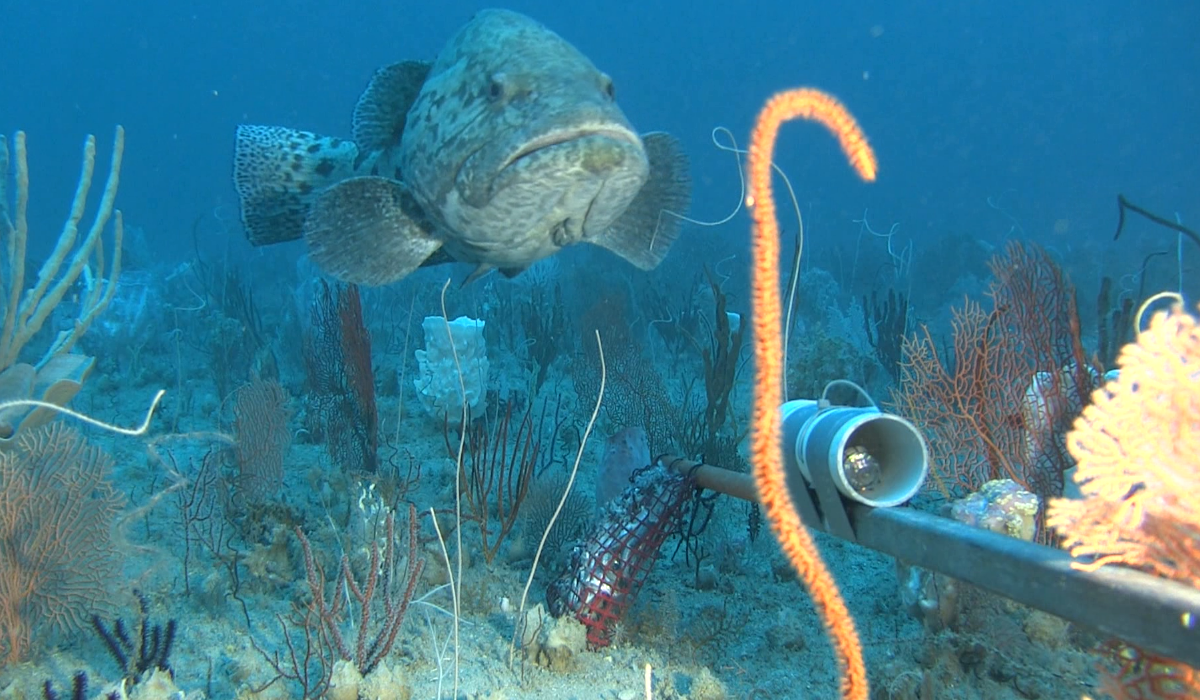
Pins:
x: 1149, y: 612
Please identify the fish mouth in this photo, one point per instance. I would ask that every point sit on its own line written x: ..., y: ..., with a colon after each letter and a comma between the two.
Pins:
x: 564, y: 136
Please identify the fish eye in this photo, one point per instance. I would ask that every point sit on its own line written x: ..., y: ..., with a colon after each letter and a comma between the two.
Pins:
x: 496, y: 87
x: 606, y: 84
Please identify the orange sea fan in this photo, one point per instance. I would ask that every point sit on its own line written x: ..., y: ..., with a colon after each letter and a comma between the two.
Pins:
x: 997, y: 403
x: 1138, y: 449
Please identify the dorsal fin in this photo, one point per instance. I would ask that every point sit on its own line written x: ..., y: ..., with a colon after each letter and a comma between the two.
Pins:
x: 381, y: 110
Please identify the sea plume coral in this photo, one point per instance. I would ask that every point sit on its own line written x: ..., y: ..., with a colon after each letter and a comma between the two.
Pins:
x: 78, y: 256
x: 1138, y: 449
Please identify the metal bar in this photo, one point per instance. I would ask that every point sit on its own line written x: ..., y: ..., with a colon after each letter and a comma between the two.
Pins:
x: 1149, y: 612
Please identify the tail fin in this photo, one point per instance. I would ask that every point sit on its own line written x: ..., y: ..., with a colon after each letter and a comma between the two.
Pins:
x: 279, y: 172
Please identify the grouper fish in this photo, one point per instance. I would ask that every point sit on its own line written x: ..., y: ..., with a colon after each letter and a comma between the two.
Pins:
x: 507, y: 148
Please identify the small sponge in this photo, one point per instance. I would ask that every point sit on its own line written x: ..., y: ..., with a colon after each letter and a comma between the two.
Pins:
x: 1001, y: 506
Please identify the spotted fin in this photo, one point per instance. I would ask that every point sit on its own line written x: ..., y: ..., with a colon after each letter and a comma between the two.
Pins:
x: 369, y: 230
x: 383, y: 107
x: 644, y: 233
x: 279, y: 172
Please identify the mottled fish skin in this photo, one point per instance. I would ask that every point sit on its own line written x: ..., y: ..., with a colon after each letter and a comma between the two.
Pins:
x: 517, y: 145
x: 279, y: 172
x: 506, y: 149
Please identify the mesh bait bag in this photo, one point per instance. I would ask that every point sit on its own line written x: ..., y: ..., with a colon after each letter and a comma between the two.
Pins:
x: 606, y: 570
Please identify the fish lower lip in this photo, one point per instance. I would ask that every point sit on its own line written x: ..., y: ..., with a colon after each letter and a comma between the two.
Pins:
x: 540, y: 147
x: 564, y: 138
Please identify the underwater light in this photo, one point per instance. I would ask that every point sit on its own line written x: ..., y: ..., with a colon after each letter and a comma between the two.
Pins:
x: 878, y: 459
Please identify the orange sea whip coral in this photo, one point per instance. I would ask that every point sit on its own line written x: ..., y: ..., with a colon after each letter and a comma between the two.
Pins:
x: 766, y: 442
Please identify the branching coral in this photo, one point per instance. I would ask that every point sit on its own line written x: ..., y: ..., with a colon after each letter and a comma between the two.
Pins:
x: 998, y: 403
x: 59, y: 374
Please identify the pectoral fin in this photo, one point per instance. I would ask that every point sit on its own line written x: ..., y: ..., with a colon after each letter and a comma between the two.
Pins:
x: 369, y: 230
x: 644, y: 233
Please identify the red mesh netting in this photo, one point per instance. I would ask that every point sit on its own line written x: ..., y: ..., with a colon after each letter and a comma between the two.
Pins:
x: 607, y: 570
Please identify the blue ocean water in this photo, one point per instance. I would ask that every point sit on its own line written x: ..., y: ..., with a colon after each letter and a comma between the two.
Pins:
x: 992, y: 123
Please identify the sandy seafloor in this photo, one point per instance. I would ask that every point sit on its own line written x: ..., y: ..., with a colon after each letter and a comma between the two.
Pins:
x: 747, y: 630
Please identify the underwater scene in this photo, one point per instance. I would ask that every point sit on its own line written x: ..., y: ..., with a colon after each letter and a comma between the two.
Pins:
x: 613, y: 351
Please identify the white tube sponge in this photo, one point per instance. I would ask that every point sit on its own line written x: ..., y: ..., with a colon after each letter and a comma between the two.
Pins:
x: 437, y: 383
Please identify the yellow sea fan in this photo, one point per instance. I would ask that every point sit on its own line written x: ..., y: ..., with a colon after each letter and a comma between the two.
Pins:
x: 1138, y: 450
